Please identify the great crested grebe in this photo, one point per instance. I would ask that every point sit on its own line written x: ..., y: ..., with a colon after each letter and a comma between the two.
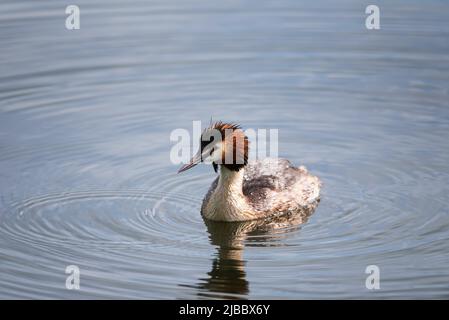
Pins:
x: 250, y: 190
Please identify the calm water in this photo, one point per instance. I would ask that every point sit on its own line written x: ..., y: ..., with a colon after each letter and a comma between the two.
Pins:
x: 85, y: 121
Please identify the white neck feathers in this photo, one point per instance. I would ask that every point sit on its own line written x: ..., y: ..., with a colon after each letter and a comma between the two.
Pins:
x: 227, y: 202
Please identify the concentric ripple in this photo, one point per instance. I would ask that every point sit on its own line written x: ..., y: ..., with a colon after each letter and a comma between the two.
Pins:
x: 86, y: 177
x: 111, y: 217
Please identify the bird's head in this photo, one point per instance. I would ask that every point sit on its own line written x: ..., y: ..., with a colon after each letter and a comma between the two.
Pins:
x: 221, y: 144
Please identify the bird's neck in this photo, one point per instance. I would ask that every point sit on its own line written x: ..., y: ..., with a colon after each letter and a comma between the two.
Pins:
x: 231, y: 182
x: 228, y: 203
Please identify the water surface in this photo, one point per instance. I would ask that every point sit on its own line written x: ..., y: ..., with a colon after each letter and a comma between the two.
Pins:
x: 85, y: 121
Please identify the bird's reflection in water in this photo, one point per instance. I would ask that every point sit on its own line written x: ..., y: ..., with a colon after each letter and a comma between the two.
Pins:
x: 227, y: 278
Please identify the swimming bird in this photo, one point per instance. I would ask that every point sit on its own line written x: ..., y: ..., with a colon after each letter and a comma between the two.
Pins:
x: 250, y: 190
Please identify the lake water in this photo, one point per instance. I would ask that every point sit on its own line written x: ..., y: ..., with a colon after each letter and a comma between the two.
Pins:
x: 85, y: 171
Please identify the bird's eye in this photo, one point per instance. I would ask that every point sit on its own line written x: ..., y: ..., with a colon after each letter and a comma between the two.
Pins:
x: 205, y: 143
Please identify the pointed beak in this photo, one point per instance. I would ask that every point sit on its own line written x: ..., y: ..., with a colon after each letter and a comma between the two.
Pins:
x: 193, y: 162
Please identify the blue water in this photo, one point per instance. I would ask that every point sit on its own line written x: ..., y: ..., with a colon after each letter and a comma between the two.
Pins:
x: 85, y: 171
